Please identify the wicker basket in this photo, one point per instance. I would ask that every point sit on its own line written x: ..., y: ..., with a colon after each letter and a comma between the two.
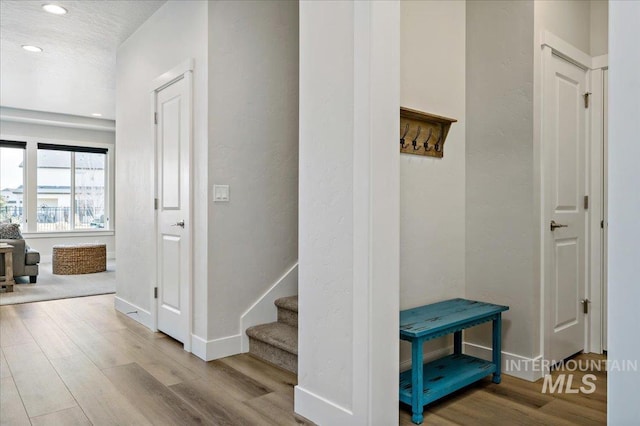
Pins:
x: 79, y: 259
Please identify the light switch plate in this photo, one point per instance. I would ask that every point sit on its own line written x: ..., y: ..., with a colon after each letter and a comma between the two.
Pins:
x: 220, y: 193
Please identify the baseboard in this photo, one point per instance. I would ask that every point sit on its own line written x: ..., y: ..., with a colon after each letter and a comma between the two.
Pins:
x: 209, y: 350
x: 263, y: 310
x: 428, y: 356
x: 512, y: 364
x: 134, y: 312
x: 320, y: 410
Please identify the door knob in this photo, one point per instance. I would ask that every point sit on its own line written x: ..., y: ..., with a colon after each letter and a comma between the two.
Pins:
x: 180, y: 224
x: 553, y: 225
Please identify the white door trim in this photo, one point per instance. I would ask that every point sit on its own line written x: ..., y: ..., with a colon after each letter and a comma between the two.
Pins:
x: 172, y: 75
x: 184, y: 71
x: 597, y: 182
x: 600, y: 62
x: 566, y: 50
x: 604, y: 291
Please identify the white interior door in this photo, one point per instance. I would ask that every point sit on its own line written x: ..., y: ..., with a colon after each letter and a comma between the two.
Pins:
x: 173, y: 227
x: 564, y: 147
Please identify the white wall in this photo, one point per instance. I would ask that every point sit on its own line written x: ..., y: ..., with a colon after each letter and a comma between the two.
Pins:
x: 599, y: 38
x: 432, y: 191
x: 43, y: 133
x: 568, y: 19
x: 582, y: 23
x: 175, y: 33
x: 253, y: 147
x: 501, y: 255
x: 349, y: 212
x: 38, y: 126
x: 624, y: 210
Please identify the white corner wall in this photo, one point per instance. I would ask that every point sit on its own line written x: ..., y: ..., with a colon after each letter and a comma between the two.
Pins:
x: 624, y: 211
x: 349, y: 212
x: 175, y: 33
x: 253, y: 147
x: 432, y: 191
x: 502, y: 259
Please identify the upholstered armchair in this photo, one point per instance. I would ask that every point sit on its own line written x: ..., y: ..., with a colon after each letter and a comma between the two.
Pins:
x: 25, y: 260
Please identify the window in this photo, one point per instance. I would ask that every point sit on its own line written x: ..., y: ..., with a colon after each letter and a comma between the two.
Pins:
x: 90, y: 189
x: 71, y: 188
x: 12, y: 181
x: 54, y: 188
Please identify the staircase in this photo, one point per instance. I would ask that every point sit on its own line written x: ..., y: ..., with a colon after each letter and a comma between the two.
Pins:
x: 277, y: 342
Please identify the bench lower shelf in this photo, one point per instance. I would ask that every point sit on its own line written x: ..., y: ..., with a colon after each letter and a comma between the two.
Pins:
x: 445, y: 375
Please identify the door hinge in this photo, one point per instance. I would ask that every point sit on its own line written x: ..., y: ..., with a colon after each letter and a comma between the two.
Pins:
x: 602, y: 224
x: 155, y: 204
x: 586, y: 99
x: 585, y: 305
x: 586, y: 202
x: 155, y: 118
x: 155, y: 292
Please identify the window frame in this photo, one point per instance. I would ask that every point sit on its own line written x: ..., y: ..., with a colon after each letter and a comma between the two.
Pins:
x: 14, y: 143
x: 30, y: 185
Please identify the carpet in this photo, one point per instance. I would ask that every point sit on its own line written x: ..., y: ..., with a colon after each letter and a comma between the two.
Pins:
x: 51, y: 287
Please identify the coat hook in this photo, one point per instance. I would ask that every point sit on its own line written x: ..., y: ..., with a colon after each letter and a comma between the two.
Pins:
x: 406, y: 130
x: 426, y: 142
x: 437, y: 146
x: 414, y: 142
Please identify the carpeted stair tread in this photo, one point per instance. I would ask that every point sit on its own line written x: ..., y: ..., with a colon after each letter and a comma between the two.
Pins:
x: 290, y: 303
x: 279, y: 335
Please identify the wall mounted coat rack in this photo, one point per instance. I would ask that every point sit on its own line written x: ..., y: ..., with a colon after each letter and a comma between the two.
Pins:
x: 422, y: 133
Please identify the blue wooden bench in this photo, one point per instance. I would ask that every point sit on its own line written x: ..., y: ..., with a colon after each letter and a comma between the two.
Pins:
x: 425, y: 383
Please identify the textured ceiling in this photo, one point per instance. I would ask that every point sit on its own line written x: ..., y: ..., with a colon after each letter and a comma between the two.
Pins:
x: 76, y: 72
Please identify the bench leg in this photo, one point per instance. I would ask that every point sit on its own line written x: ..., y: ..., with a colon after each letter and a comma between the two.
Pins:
x: 457, y: 342
x: 416, y: 381
x: 497, y: 347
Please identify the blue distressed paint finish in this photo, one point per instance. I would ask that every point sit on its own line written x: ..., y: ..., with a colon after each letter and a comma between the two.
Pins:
x: 445, y: 375
x: 497, y: 347
x: 441, y: 377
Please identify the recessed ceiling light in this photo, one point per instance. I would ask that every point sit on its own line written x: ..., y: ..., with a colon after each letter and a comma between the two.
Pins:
x: 97, y: 114
x: 55, y: 9
x: 30, y: 48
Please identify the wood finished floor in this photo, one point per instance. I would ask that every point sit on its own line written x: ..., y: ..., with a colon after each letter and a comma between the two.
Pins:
x: 79, y: 362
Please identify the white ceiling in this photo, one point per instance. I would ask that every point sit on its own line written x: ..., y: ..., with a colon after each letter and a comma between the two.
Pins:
x: 76, y: 72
